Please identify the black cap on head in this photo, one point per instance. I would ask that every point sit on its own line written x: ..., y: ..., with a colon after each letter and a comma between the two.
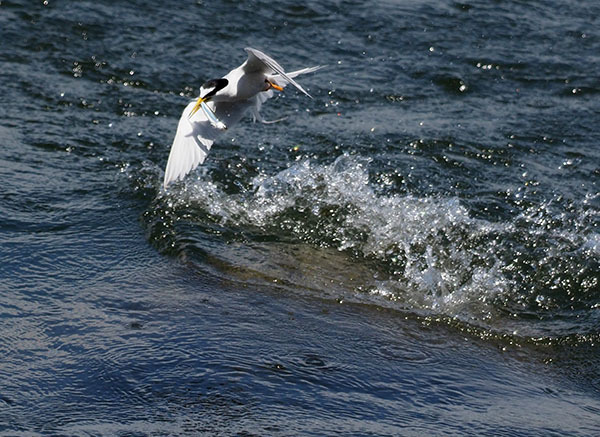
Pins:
x: 213, y: 86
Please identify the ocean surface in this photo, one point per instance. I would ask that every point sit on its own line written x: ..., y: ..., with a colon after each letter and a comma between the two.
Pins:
x: 414, y: 251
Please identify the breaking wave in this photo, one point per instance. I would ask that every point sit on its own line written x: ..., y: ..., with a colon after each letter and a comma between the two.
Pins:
x: 330, y: 229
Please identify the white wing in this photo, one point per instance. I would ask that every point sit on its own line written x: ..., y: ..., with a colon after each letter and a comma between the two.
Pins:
x: 196, y: 135
x: 192, y: 142
x: 282, y: 82
x: 258, y: 61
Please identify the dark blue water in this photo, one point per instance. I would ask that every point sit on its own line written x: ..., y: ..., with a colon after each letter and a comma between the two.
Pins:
x: 415, y: 251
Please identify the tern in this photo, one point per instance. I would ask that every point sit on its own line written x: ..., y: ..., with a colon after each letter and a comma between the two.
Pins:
x: 221, y: 104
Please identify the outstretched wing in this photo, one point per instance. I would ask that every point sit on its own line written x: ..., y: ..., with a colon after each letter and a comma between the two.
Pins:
x: 192, y: 142
x: 259, y: 62
x: 261, y: 98
x: 196, y: 135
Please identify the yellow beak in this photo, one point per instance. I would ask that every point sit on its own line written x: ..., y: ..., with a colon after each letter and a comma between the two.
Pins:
x: 275, y: 86
x: 197, y: 106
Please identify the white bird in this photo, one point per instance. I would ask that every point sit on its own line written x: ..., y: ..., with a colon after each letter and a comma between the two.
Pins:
x: 224, y: 102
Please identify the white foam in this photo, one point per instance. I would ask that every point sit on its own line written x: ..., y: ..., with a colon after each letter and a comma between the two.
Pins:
x: 592, y: 242
x: 425, y: 242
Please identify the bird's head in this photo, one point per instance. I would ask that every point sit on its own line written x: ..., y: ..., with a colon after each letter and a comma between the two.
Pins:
x: 208, y: 90
x: 212, y: 87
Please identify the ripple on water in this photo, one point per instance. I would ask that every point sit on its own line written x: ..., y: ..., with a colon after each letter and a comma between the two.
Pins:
x: 292, y: 285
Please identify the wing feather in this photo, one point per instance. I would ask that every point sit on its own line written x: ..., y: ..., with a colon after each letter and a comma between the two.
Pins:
x: 192, y: 143
x: 196, y: 135
x: 255, y: 57
x: 261, y: 98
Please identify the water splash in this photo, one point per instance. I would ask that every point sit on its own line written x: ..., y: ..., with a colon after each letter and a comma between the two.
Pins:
x: 421, y: 254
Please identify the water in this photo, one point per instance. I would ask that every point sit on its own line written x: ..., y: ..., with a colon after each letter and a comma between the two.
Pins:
x: 415, y: 251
